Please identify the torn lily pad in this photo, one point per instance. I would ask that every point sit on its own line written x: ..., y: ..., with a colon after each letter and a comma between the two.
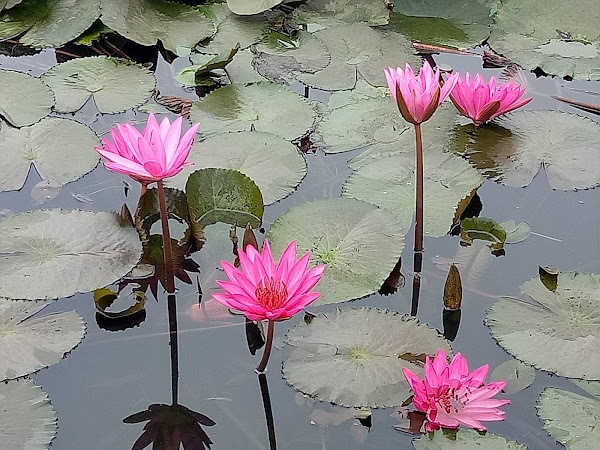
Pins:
x: 27, y: 419
x: 515, y: 147
x: 560, y: 333
x: 389, y: 182
x: 61, y: 150
x: 358, y: 242
x: 466, y: 439
x: 55, y: 253
x: 354, y: 357
x: 116, y: 84
x: 30, y: 344
x: 254, y: 154
x: 24, y: 99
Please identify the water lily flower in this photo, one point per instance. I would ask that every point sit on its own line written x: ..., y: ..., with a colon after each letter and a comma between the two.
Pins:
x: 481, y: 101
x: 450, y: 395
x: 158, y: 152
x: 418, y: 96
x: 265, y: 290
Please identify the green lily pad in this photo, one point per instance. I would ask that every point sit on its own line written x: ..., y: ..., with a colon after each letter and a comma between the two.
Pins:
x: 389, y: 182
x: 570, y: 418
x: 179, y: 27
x: 116, y: 84
x: 247, y: 8
x: 464, y: 12
x: 466, y: 439
x: 7, y: 4
x: 358, y: 242
x: 560, y: 333
x: 28, y: 345
x: 483, y: 228
x: 27, y: 419
x: 55, y: 253
x: 241, y: 69
x: 48, y: 23
x: 514, y: 148
x: 223, y: 195
x: 515, y: 232
x: 192, y: 75
x: 254, y: 154
x: 354, y: 357
x: 94, y: 33
x: 373, y: 12
x: 265, y: 106
x: 518, y: 376
x: 591, y: 387
x: 24, y: 99
x: 60, y: 149
x: 358, y: 47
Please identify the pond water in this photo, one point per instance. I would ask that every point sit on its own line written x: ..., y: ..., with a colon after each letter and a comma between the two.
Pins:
x: 111, y: 375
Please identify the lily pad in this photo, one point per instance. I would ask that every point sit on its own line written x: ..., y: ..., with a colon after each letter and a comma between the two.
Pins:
x: 116, y: 84
x: 55, y: 253
x: 241, y: 69
x: 373, y: 12
x: 466, y: 439
x: 48, y: 23
x: 358, y: 47
x: 483, y: 228
x: 61, y: 150
x: 7, y: 4
x: 389, y: 182
x: 247, y: 8
x: 265, y: 106
x: 223, y: 195
x: 193, y: 75
x: 179, y: 27
x: 560, y: 333
x: 27, y: 419
x: 254, y: 154
x: 28, y: 345
x: 515, y: 232
x: 570, y: 418
x: 354, y: 357
x: 518, y: 376
x: 24, y: 99
x: 358, y: 242
x: 514, y: 148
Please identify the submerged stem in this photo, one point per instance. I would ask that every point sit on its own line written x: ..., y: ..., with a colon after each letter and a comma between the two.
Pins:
x: 267, y: 351
x: 167, y: 250
x: 419, y: 200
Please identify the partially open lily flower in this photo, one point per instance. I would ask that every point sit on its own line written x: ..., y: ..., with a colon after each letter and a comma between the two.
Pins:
x: 265, y: 290
x: 157, y: 153
x: 481, y: 101
x: 451, y: 396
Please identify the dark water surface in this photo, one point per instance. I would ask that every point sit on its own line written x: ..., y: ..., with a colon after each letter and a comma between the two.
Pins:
x: 112, y: 375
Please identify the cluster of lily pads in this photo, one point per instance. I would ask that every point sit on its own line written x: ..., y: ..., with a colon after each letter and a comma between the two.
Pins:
x: 256, y: 121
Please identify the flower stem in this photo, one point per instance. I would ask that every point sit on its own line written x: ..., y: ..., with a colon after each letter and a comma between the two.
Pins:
x: 267, y: 352
x: 419, y: 201
x: 167, y: 250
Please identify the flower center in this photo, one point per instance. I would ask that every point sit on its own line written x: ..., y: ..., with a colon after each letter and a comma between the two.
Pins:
x: 450, y: 401
x: 271, y: 293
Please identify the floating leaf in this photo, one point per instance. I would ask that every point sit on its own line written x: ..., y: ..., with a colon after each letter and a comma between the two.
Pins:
x: 515, y: 232
x: 570, y: 418
x: 247, y: 8
x: 514, y: 148
x: 354, y: 357
x: 241, y: 69
x: 104, y: 298
x: 560, y: 333
x: 193, y: 75
x: 48, y: 23
x: 116, y: 84
x: 255, y: 154
x: 373, y: 12
x: 472, y: 228
x: 27, y: 419
x: 61, y: 150
x: 177, y: 26
x: 55, y: 253
x: 389, y: 183
x: 358, y: 242
x: 223, y: 195
x: 265, y: 106
x: 24, y: 99
x: 549, y: 277
x: 28, y: 345
x: 453, y: 289
x: 6, y: 4
x: 466, y: 439
x: 517, y: 375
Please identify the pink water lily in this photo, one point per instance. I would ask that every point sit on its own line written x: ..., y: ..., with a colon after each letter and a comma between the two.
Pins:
x: 265, y: 290
x: 451, y: 396
x: 158, y: 152
x: 419, y: 96
x: 481, y: 101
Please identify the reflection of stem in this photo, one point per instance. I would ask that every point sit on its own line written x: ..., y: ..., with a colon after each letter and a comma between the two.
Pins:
x: 264, y: 390
x: 168, y: 252
x: 419, y: 202
x: 267, y: 351
x: 416, y: 290
x: 172, y: 308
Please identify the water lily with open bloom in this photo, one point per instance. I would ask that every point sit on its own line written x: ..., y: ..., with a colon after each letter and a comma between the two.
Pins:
x: 451, y: 396
x: 418, y: 96
x: 481, y: 101
x: 264, y: 290
x: 158, y: 152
